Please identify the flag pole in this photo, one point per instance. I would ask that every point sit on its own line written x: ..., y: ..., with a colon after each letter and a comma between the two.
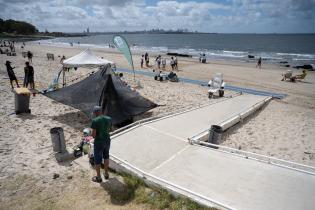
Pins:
x: 122, y: 45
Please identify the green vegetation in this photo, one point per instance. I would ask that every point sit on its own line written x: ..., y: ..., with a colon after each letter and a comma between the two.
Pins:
x: 137, y: 191
x: 121, y: 191
x: 20, y: 29
x: 17, y: 27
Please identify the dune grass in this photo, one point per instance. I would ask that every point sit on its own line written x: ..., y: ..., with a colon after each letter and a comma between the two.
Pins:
x: 156, y: 198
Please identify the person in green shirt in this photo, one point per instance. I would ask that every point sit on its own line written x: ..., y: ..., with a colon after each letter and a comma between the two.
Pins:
x: 101, y: 126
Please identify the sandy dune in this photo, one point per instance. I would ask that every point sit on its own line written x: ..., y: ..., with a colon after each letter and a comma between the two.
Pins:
x: 283, y: 129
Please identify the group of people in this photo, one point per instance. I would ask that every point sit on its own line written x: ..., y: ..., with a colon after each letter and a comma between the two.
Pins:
x: 145, y: 58
x: 292, y: 78
x: 174, y: 63
x: 4, y: 43
x: 28, y: 75
x: 159, y: 61
x: 8, y: 44
x: 202, y: 58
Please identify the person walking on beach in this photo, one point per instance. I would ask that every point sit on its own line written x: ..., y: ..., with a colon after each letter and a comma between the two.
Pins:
x: 163, y: 63
x: 12, y: 48
x: 11, y: 74
x: 172, y: 63
x: 259, y: 63
x: 30, y: 56
x: 141, y: 62
x: 146, y: 58
x: 175, y: 63
x: 158, y: 61
x: 101, y: 126
x: 147, y: 61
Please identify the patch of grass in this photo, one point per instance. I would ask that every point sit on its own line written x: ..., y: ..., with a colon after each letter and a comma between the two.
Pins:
x: 139, y: 192
x: 21, y: 192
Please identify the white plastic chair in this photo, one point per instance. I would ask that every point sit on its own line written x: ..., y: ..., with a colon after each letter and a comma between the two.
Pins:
x: 216, y: 85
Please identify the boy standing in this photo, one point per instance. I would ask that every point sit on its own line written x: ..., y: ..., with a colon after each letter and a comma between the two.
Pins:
x: 101, y: 125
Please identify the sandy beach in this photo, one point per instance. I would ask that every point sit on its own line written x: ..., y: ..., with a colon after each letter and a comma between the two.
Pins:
x: 283, y: 128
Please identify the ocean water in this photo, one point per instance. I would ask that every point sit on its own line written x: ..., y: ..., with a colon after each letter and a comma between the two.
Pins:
x: 296, y: 49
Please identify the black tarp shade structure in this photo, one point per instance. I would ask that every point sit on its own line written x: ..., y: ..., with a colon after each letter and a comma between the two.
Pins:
x: 106, y: 89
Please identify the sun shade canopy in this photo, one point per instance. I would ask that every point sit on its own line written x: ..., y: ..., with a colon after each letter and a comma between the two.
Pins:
x: 85, y: 59
x: 107, y: 90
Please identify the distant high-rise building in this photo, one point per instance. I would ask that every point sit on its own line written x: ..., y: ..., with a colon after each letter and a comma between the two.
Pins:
x: 87, y: 30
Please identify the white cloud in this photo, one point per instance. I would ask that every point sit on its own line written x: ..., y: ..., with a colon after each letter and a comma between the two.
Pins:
x: 113, y: 15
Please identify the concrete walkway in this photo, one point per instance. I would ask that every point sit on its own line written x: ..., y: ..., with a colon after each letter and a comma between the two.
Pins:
x: 159, y: 150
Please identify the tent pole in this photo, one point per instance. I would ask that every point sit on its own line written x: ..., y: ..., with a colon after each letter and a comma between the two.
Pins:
x: 134, y: 74
x: 63, y: 77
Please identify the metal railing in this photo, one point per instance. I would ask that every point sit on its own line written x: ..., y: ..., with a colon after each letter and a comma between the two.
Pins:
x: 258, y: 157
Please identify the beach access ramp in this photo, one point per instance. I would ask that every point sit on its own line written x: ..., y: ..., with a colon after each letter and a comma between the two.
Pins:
x: 159, y: 152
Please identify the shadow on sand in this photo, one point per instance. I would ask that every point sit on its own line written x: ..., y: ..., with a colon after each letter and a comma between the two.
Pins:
x: 26, y: 116
x: 232, y: 130
x: 76, y: 120
x: 119, y: 193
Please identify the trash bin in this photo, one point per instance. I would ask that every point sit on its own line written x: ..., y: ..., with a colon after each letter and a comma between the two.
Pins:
x: 22, y: 100
x: 215, y: 134
x: 58, y: 140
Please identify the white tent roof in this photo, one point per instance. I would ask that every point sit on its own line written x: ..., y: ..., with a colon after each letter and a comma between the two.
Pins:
x: 86, y: 59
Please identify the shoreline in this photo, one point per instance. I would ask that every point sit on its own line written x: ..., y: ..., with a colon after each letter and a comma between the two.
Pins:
x: 137, y: 53
x: 269, y: 57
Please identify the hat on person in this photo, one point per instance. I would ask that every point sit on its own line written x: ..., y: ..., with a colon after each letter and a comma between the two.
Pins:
x: 86, y: 131
x: 97, y: 109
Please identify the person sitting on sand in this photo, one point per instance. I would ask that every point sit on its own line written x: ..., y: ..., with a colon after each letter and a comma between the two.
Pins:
x: 101, y: 126
x: 11, y: 74
x: 121, y: 77
x: 299, y: 76
x: 289, y: 76
x: 172, y: 77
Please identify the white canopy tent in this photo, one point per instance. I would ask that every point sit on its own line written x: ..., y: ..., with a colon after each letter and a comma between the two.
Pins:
x: 85, y: 59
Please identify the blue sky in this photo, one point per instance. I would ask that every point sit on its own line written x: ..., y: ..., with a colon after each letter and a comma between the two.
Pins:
x: 226, y: 16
